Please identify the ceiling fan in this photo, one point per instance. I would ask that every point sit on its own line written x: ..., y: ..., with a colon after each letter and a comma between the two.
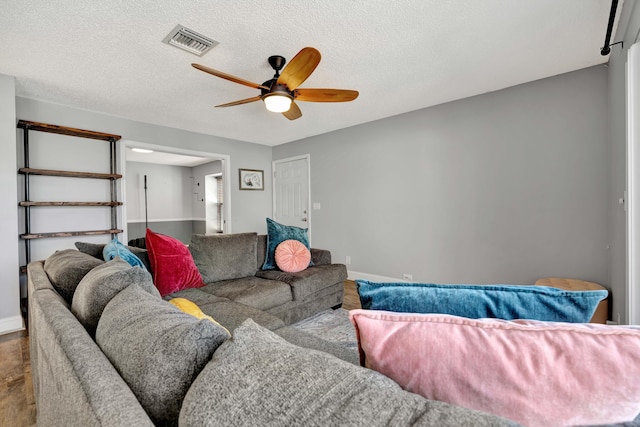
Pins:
x: 280, y: 92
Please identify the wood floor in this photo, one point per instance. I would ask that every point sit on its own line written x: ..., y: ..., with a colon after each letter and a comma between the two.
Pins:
x: 351, y: 300
x: 17, y: 403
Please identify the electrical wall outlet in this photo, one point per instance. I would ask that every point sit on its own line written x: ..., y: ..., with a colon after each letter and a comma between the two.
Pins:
x: 407, y: 276
x: 348, y: 260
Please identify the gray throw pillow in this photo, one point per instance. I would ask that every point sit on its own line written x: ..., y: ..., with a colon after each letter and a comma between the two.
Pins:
x: 95, y: 250
x: 157, y: 349
x: 257, y: 378
x: 66, y: 268
x: 101, y: 284
x: 224, y: 256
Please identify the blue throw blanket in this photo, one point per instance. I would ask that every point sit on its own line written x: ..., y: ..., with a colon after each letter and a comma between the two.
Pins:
x: 507, y: 302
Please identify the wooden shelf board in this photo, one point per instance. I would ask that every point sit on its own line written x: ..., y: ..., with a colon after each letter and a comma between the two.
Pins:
x: 70, y: 204
x: 68, y: 234
x: 63, y: 130
x: 69, y: 174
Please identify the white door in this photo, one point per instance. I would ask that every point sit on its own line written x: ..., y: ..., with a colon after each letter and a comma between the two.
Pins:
x: 291, y: 191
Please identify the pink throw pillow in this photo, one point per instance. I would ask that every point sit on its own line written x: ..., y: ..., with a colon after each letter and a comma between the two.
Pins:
x: 172, y: 264
x: 535, y: 373
x: 292, y: 256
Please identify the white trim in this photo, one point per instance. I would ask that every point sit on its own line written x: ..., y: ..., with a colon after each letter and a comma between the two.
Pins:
x: 136, y: 221
x: 11, y: 324
x: 306, y: 157
x: 356, y: 275
x: 633, y: 186
x: 122, y: 163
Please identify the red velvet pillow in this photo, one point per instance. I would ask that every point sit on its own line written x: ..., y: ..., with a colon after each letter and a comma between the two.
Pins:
x: 292, y: 256
x: 172, y: 264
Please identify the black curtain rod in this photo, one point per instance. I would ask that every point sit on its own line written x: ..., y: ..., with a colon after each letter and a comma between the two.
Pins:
x: 606, y: 50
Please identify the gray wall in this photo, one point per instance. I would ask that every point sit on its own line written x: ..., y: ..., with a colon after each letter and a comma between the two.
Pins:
x: 504, y: 187
x: 181, y: 230
x: 170, y: 192
x: 170, y: 198
x: 628, y: 31
x: 199, y: 173
x: 9, y: 285
x: 174, y: 199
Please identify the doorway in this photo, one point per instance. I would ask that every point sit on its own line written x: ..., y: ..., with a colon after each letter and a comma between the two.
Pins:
x: 187, y: 185
x: 214, y: 204
x: 291, y: 191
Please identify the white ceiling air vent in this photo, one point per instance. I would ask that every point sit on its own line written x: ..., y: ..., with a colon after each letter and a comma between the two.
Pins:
x: 189, y: 40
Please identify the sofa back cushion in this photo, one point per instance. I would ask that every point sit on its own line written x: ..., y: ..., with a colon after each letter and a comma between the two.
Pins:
x: 74, y: 382
x: 66, y: 268
x: 535, y: 373
x: 224, y: 256
x: 158, y: 349
x: 261, y: 251
x: 257, y: 378
x: 101, y: 284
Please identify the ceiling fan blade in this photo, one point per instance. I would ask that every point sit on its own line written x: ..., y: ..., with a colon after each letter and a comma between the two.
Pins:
x: 325, y: 95
x: 228, y: 77
x: 299, y: 68
x: 293, y: 113
x: 240, y: 102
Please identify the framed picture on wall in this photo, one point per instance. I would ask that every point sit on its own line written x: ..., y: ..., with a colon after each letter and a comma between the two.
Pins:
x: 251, y: 179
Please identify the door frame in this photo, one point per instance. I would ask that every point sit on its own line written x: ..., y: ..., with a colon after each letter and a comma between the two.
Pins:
x: 274, y: 165
x: 633, y: 187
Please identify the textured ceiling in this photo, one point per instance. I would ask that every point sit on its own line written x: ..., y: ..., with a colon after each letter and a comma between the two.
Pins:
x: 403, y: 55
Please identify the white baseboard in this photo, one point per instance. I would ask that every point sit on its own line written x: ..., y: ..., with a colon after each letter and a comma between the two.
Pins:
x: 11, y: 324
x: 356, y: 275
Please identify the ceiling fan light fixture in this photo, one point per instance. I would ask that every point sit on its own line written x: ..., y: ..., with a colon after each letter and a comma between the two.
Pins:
x: 277, y: 102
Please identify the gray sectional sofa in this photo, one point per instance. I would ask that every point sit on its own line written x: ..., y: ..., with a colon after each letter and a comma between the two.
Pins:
x: 107, y: 350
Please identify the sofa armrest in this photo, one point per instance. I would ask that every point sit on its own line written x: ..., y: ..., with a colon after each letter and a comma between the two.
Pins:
x: 320, y: 256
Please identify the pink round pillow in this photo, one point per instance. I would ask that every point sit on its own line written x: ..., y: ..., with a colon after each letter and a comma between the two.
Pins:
x: 292, y: 256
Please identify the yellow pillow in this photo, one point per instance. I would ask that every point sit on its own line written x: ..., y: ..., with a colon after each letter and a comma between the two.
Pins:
x: 191, y: 308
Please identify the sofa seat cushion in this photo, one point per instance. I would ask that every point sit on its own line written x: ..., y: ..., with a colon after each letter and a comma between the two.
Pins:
x: 101, y: 284
x: 66, y: 268
x: 224, y: 256
x: 306, y: 340
x: 231, y: 314
x: 228, y: 313
x: 158, y: 349
x: 253, y: 291
x: 197, y: 295
x: 257, y: 378
x: 309, y: 281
